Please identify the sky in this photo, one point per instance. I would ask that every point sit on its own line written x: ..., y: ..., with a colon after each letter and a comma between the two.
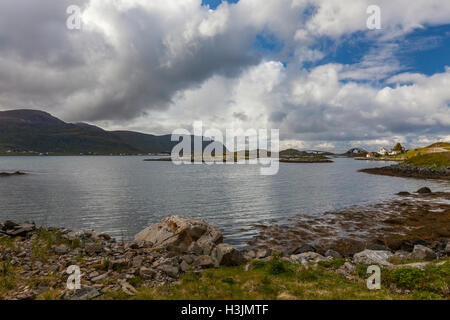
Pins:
x: 310, y: 68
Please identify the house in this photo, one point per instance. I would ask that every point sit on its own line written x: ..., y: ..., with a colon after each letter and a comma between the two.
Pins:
x: 369, y: 155
x: 394, y: 152
x: 382, y: 151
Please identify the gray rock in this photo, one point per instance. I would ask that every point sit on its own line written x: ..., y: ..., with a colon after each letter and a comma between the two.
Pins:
x: 20, y: 230
x: 195, y: 248
x: 304, y: 248
x: 263, y: 253
x: 424, y: 190
x: 61, y: 249
x: 147, y: 273
x: 227, y: 255
x: 178, y: 233
x: 248, y: 267
x: 85, y: 293
x: 307, y: 257
x: 205, y: 262
x: 184, y: 266
x: 422, y: 253
x: 401, y: 254
x: 171, y: 270
x: 332, y: 253
x: 101, y: 277
x: 373, y: 257
x: 137, y: 261
x: 447, y: 248
x: 93, y: 248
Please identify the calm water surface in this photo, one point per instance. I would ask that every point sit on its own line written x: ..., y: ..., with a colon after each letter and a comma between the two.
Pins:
x: 122, y: 195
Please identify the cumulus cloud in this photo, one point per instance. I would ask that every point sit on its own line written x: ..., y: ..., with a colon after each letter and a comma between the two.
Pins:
x: 158, y: 65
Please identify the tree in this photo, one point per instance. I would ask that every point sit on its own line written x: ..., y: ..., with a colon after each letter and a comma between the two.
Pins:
x: 398, y: 147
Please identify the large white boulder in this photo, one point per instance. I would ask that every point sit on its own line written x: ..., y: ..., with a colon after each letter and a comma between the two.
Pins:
x: 178, y: 233
x: 373, y: 257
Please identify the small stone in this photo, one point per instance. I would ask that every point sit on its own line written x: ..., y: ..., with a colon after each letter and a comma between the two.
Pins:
x: 227, y: 255
x: 61, y: 249
x: 170, y: 270
x: 137, y: 261
x: 85, y: 293
x: 117, y: 264
x: 147, y: 273
x: 424, y: 190
x: 101, y: 277
x: 248, y: 267
x: 263, y: 253
x: 304, y: 248
x: 184, y: 266
x: 205, y: 262
x: 93, y: 248
x: 334, y: 254
x: 447, y: 248
x: 422, y: 253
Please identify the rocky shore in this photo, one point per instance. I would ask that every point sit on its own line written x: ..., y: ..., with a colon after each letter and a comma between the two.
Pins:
x: 9, y: 174
x: 421, y: 218
x: 404, y: 170
x: 34, y: 260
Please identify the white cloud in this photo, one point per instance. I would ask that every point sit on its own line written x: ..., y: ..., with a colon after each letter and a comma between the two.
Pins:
x: 158, y: 65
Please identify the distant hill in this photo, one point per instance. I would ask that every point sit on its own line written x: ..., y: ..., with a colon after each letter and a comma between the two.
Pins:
x: 38, y: 131
x: 355, y: 152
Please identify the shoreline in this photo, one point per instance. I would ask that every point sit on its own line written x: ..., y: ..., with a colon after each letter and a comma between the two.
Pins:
x: 409, y: 231
x: 404, y: 171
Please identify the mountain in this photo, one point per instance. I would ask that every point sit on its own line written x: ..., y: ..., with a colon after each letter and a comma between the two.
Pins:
x: 38, y: 131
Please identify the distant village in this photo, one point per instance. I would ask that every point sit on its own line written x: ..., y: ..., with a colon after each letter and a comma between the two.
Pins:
x: 397, y: 150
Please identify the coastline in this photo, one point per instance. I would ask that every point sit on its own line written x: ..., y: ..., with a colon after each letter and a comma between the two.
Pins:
x: 405, y: 171
x: 407, y: 232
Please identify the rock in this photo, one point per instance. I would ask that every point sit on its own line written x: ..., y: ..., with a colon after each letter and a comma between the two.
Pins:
x: 85, y: 293
x: 263, y: 253
x: 61, y: 249
x: 403, y: 193
x: 349, y: 267
x: 418, y: 265
x: 304, y: 248
x: 401, y: 254
x: 422, y: 253
x: 205, y: 262
x: 424, y: 190
x: 137, y: 261
x: 147, y: 273
x: 178, y: 233
x: 101, y: 277
x: 307, y: 257
x: 9, y: 225
x: 248, y: 267
x: 184, y: 266
x: 128, y: 288
x: 171, y: 270
x: 375, y: 257
x: 93, y: 248
x: 249, y: 255
x: 117, y: 264
x: 195, y: 248
x: 447, y: 248
x: 227, y: 255
x: 19, y: 230
x: 334, y: 254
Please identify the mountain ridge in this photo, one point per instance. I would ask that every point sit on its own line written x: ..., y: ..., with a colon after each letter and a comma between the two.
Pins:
x: 36, y: 131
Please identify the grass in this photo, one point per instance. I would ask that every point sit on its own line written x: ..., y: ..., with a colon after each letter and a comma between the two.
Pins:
x: 435, y: 160
x: 275, y: 279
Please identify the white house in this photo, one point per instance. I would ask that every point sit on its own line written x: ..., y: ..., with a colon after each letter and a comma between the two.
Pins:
x: 394, y: 152
x: 382, y: 151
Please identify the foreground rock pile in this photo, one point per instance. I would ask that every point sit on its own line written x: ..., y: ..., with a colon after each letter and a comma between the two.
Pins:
x: 34, y: 261
x: 159, y: 254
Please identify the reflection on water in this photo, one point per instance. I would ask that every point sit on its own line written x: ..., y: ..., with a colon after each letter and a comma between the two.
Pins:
x: 122, y: 195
